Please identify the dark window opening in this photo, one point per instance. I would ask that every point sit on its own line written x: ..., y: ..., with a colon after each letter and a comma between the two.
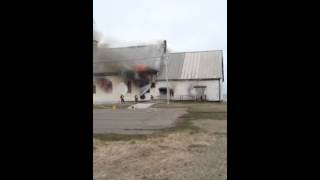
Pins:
x: 105, y: 84
x: 163, y: 91
x: 153, y: 85
x: 129, y: 85
x: 94, y: 89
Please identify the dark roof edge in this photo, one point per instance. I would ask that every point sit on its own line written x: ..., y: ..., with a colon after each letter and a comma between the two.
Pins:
x: 200, y: 79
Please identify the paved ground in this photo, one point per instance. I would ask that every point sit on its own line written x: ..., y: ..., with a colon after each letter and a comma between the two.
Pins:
x: 141, y: 106
x: 138, y: 121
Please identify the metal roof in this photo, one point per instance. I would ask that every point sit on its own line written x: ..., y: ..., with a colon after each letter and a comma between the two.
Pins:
x: 113, y: 59
x: 193, y: 65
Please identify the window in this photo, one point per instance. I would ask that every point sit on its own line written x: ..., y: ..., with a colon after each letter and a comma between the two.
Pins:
x: 163, y: 91
x: 153, y: 85
x: 94, y: 89
x: 129, y: 85
x: 105, y: 84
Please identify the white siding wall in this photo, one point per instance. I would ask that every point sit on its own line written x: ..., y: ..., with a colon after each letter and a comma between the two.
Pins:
x: 185, y: 88
x: 181, y: 88
x: 118, y: 87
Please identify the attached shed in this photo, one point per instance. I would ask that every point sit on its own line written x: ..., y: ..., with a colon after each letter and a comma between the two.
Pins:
x: 192, y: 75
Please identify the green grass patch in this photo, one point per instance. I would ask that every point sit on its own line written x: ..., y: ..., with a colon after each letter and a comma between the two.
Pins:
x: 195, y: 106
x: 197, y: 147
x: 120, y: 137
x: 205, y: 115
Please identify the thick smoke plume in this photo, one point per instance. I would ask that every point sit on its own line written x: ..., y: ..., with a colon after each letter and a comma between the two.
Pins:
x: 137, y: 62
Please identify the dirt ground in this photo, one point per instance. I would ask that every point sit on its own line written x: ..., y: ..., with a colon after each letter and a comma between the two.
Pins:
x: 197, y: 153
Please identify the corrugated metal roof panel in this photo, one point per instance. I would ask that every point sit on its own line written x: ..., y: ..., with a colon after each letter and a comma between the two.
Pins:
x: 193, y: 65
x: 175, y: 64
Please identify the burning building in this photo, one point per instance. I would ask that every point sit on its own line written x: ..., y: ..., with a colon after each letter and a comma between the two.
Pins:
x: 141, y: 71
x: 129, y: 71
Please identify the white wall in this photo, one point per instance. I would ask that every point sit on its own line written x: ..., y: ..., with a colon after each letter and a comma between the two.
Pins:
x: 185, y: 88
x: 118, y: 87
x: 181, y: 88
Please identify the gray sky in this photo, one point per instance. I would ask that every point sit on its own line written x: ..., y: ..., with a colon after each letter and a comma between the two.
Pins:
x: 187, y: 25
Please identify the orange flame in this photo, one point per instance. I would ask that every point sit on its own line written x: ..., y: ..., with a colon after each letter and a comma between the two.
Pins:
x: 141, y: 68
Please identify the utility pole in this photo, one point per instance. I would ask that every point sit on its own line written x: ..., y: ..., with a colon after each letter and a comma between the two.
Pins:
x: 165, y: 58
x: 168, y: 95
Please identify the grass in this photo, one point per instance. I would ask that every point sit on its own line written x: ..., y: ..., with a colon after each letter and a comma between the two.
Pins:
x: 205, y: 115
x: 199, y: 110
x: 182, y: 125
x: 195, y: 106
x: 216, y: 111
x: 120, y: 137
x: 197, y: 147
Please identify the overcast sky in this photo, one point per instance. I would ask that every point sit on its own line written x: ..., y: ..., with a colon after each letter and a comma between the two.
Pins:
x: 187, y: 25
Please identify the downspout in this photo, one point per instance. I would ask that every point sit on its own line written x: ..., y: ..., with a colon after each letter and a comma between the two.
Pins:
x: 220, y: 79
x: 222, y: 70
x: 219, y: 90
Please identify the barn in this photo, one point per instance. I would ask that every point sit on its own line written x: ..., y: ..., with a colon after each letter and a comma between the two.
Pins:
x: 192, y: 76
x: 141, y: 71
